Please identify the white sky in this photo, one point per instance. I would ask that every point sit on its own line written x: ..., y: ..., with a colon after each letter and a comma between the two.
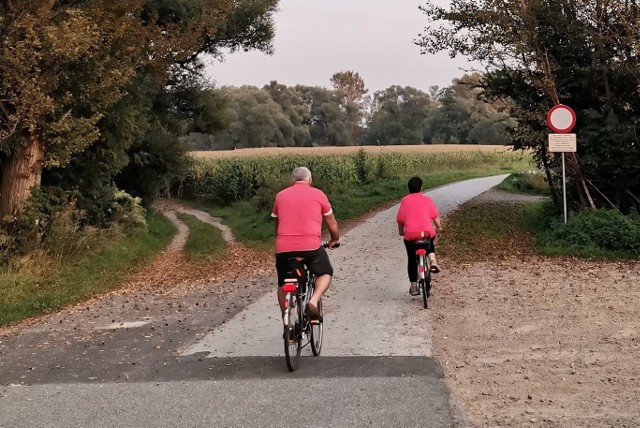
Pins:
x: 317, y: 38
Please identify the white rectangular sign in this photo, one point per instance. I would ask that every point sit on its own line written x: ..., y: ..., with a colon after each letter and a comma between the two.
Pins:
x: 563, y: 143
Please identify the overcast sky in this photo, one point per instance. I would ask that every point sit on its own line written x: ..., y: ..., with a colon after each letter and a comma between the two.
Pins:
x: 316, y: 38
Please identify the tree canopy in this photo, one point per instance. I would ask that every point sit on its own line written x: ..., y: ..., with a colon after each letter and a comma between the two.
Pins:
x: 540, y: 53
x: 92, y: 81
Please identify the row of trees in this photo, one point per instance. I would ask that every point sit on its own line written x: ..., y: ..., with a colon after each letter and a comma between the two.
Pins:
x: 283, y: 116
x: 539, y: 53
x: 97, y: 94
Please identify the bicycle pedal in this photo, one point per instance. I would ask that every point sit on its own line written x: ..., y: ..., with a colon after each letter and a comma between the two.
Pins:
x: 314, y: 322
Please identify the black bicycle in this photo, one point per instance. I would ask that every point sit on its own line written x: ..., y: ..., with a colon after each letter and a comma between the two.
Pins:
x: 424, y: 270
x: 299, y: 329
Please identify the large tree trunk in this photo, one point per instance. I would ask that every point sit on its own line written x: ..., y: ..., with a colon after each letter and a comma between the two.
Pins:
x: 20, y: 172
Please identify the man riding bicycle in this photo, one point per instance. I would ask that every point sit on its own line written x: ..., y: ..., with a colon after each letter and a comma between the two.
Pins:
x: 298, y: 212
x: 416, y: 216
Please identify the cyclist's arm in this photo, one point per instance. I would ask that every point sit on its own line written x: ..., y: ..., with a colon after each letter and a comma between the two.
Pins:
x: 332, y: 224
x: 401, y: 229
x: 436, y: 221
x: 275, y: 222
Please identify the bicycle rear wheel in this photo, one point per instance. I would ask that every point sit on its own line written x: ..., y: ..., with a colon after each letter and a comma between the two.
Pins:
x: 293, y: 334
x: 316, y: 333
x: 424, y: 289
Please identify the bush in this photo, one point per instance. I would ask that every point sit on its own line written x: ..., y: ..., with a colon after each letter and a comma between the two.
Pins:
x: 52, y: 226
x: 592, y: 233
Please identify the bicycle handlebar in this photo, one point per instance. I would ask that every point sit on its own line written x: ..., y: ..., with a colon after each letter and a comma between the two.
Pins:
x: 326, y: 245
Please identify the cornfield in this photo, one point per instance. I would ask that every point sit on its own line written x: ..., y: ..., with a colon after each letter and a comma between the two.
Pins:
x: 286, y: 151
x: 229, y: 179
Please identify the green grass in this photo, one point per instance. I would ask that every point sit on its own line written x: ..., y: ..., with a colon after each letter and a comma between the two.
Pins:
x: 24, y: 295
x: 204, y: 242
x: 526, y: 182
x: 481, y: 232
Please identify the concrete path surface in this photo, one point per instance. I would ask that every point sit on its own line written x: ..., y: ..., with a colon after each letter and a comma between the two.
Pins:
x: 376, y: 367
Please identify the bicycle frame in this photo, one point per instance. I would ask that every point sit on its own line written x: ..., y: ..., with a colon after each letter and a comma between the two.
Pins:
x: 292, y: 285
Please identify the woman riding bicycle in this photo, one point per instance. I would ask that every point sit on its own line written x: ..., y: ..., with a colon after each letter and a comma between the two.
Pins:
x: 416, y: 217
x: 298, y: 212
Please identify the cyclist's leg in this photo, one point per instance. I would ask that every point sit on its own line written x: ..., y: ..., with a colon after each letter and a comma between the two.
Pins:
x: 412, y: 262
x: 431, y: 253
x: 282, y: 266
x: 412, y: 266
x: 320, y: 265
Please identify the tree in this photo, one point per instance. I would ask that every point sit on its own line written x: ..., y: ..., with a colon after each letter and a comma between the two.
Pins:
x: 70, y: 73
x: 293, y: 106
x: 258, y: 121
x: 397, y: 116
x: 327, y: 120
x: 539, y: 53
x: 355, y: 98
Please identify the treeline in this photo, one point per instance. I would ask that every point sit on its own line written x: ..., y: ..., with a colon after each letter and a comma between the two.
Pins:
x: 277, y: 115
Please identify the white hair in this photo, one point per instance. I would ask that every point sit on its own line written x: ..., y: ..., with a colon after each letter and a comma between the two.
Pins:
x: 300, y: 173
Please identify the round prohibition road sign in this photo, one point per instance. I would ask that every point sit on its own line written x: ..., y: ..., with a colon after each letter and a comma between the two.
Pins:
x: 561, y: 119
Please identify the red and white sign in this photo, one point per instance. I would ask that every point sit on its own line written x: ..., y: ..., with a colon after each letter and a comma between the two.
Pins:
x: 561, y: 119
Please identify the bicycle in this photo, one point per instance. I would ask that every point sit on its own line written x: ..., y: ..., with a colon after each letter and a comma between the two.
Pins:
x: 299, y: 329
x: 424, y: 270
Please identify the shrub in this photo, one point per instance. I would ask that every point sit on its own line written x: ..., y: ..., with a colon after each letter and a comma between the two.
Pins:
x: 594, y: 233
x: 52, y: 226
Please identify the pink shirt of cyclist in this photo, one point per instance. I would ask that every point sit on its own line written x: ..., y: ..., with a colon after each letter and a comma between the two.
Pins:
x: 416, y: 213
x: 299, y: 210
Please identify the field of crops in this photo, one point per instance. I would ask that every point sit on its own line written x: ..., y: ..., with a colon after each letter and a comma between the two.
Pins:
x: 256, y: 175
x: 279, y: 151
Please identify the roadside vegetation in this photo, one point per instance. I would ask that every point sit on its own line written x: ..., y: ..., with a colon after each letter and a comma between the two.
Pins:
x: 47, y: 282
x: 241, y: 190
x: 491, y: 229
x: 530, y: 182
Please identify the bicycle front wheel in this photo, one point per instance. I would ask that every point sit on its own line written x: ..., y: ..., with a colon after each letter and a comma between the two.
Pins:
x: 293, y: 334
x: 316, y: 333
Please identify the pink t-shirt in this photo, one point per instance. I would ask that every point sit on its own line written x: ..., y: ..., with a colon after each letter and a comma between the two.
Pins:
x: 416, y: 213
x: 299, y: 210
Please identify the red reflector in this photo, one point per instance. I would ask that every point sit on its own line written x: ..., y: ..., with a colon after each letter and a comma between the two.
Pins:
x: 286, y: 304
x: 421, y: 252
x: 289, y: 288
x: 421, y: 269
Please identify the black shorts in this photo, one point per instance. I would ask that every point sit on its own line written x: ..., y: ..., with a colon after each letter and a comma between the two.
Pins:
x: 317, y: 261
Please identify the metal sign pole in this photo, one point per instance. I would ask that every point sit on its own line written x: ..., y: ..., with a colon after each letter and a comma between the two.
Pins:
x: 564, y: 189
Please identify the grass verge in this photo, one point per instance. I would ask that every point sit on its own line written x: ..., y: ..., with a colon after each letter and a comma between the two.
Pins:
x: 205, y: 242
x: 527, y: 182
x: 499, y: 230
x: 486, y: 231
x: 24, y: 295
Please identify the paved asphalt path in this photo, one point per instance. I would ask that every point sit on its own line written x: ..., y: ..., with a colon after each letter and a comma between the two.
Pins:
x: 376, y: 367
